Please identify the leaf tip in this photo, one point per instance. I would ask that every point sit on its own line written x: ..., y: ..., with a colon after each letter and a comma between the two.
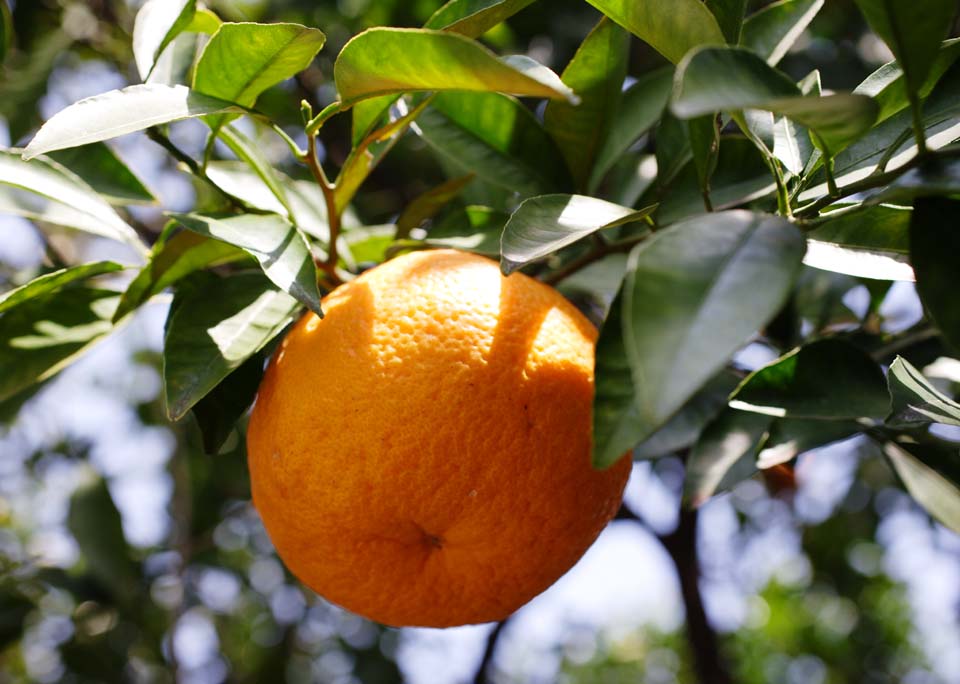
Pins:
x: 507, y: 266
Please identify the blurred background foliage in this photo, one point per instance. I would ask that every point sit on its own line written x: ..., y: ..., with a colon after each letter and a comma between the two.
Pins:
x: 129, y: 554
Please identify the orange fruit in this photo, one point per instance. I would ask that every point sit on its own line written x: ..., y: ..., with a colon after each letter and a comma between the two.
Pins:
x: 421, y: 455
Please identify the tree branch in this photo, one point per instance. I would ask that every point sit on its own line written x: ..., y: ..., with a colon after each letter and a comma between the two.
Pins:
x: 485, y: 668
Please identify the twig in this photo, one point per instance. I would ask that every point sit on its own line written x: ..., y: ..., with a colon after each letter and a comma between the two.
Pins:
x: 484, y: 669
x: 599, y: 251
x: 333, y: 215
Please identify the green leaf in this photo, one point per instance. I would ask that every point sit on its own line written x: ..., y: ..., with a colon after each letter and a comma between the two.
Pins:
x: 671, y: 28
x: 172, y: 257
x: 41, y: 336
x: 688, y: 423
x: 204, y: 21
x: 939, y: 496
x: 307, y: 208
x: 43, y: 190
x: 741, y: 175
x: 175, y: 64
x: 887, y: 85
x: 495, y: 137
x: 790, y: 437
x: 473, y: 18
x: 213, y: 328
x: 792, y: 144
x: 617, y: 427
x: 475, y: 229
x: 249, y: 152
x: 543, y: 225
x: 913, y: 37
x: 596, y: 74
x: 279, y: 248
x: 95, y: 524
x: 828, y: 379
x: 934, y: 244
x: 51, y: 282
x: 772, y: 31
x: 6, y: 30
x: 119, y: 112
x: 872, y: 243
x: 381, y: 61
x: 915, y: 401
x: 243, y: 60
x: 640, y: 108
x: 428, y: 204
x: 218, y: 412
x: 367, y: 114
x: 686, y: 311
x: 724, y: 456
x: 730, y: 79
x: 672, y: 149
x: 158, y: 22
x: 100, y: 167
x: 729, y: 15
x: 704, y: 135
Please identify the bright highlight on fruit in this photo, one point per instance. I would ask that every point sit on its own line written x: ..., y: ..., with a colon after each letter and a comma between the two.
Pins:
x: 421, y: 456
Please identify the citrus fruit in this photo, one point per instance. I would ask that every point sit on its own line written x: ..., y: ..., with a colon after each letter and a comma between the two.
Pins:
x: 421, y: 455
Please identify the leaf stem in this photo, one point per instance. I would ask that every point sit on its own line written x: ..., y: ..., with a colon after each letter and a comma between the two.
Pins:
x: 327, y: 112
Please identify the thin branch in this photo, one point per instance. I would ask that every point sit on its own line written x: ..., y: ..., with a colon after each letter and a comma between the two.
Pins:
x: 598, y: 252
x: 333, y: 215
x: 484, y: 669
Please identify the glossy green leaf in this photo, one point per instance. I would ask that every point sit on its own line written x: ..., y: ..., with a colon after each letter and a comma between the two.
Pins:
x: 873, y: 243
x: 243, y: 60
x: 249, y: 152
x: 119, y: 112
x: 640, y: 108
x: 204, y: 21
x: 596, y: 74
x: 474, y: 229
x: 158, y: 22
x: 792, y: 144
x: 729, y: 15
x: 100, y: 167
x: 887, y: 85
x: 42, y: 335
x: 279, y: 248
x: 828, y: 379
x: 704, y: 135
x: 938, y: 495
x: 724, y: 456
x: 790, y: 437
x: 684, y: 429
x: 934, y: 245
x: 368, y: 114
x: 94, y: 522
x: 307, y: 208
x: 43, y: 190
x: 213, y: 328
x: 173, y: 256
x: 772, y: 31
x: 175, y: 63
x: 51, y: 282
x: 741, y: 175
x: 6, y: 30
x: 543, y: 225
x: 915, y: 401
x: 428, y: 204
x: 473, y: 18
x: 686, y: 311
x: 381, y: 61
x: 496, y: 138
x: 218, y: 412
x: 617, y: 426
x: 913, y: 36
x: 715, y: 79
x: 671, y: 28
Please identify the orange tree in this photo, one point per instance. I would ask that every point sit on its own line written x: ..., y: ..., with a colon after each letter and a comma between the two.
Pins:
x: 692, y: 199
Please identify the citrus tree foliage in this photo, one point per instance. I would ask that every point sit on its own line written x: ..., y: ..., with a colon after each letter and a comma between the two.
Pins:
x: 705, y: 202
